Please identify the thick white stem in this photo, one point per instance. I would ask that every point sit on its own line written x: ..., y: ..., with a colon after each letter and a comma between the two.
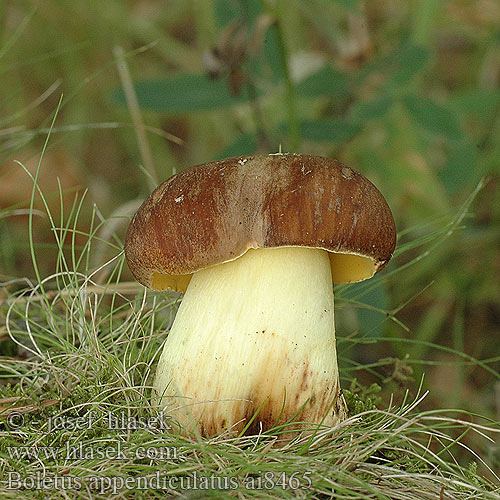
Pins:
x: 257, y: 332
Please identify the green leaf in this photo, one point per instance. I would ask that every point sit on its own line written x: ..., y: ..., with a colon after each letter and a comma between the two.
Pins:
x: 273, y: 69
x: 408, y: 62
x: 245, y: 144
x: 350, y: 4
x: 363, y: 111
x: 228, y: 10
x: 477, y: 102
x: 372, y: 317
x: 328, y: 130
x: 462, y: 168
x: 326, y: 82
x: 434, y: 118
x: 182, y: 93
x: 400, y: 66
x: 266, y: 63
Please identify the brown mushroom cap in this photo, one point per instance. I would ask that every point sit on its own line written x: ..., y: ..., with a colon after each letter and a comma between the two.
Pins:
x: 213, y: 213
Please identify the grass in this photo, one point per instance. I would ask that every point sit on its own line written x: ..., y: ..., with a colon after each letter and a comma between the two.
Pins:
x: 404, y: 92
x: 77, y: 416
x: 91, y: 350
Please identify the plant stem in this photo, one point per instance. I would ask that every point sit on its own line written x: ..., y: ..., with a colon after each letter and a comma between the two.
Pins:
x: 291, y: 95
x: 425, y: 15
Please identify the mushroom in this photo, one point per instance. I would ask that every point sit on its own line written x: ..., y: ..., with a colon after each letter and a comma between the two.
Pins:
x: 256, y: 243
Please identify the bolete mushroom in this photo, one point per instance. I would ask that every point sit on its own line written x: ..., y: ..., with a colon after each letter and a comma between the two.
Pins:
x: 256, y: 243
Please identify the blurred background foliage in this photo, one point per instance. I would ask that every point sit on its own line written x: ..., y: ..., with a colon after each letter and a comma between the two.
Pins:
x: 406, y: 92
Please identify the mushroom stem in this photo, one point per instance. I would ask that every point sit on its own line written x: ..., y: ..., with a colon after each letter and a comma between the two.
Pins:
x: 254, y: 334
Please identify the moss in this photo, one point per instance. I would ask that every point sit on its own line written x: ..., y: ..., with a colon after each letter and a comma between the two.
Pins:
x: 360, y: 399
